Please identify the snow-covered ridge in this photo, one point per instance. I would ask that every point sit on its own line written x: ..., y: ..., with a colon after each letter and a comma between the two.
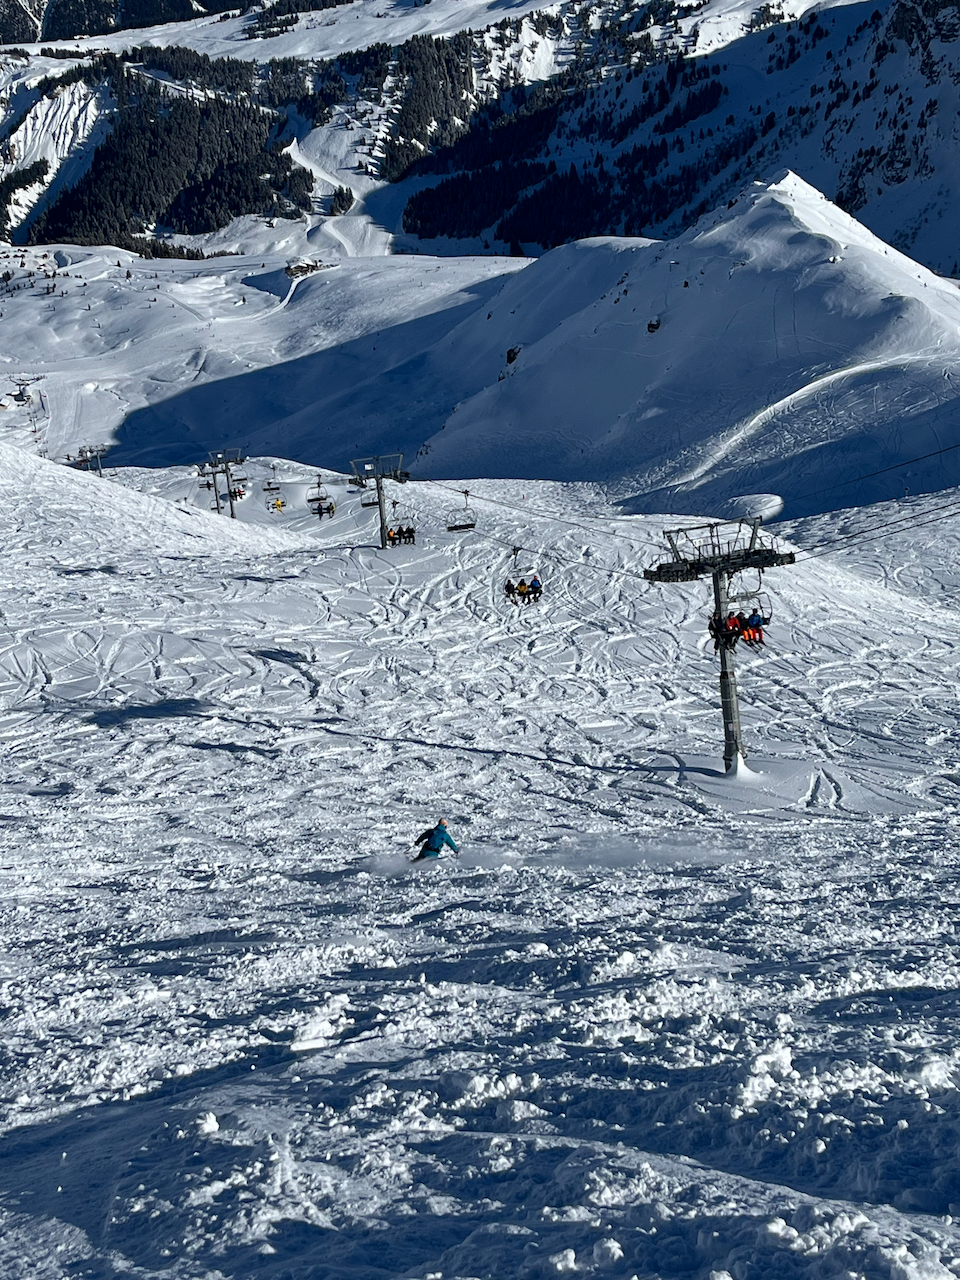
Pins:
x: 778, y: 347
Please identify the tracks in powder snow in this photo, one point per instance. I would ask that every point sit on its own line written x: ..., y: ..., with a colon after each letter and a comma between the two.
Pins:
x: 641, y: 1024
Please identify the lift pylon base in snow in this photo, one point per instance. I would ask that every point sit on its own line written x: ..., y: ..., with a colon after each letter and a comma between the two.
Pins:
x: 720, y: 550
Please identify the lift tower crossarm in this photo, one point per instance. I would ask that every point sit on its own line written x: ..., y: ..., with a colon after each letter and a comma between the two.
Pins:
x: 684, y: 570
x: 720, y: 550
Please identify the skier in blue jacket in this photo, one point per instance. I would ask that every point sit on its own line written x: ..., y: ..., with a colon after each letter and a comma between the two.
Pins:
x: 433, y: 840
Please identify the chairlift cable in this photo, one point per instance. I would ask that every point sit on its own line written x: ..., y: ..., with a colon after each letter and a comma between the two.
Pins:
x: 886, y: 530
x: 550, y: 554
x: 533, y: 511
x: 869, y: 475
x: 882, y: 530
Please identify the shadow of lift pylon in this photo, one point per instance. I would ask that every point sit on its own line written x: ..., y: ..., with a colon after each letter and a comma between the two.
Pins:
x: 720, y: 550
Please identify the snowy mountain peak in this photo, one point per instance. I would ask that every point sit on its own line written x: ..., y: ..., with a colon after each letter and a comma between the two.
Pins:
x: 813, y: 216
x: 775, y: 347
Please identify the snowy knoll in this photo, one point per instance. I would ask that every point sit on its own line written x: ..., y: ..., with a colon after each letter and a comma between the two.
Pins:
x: 653, y: 1022
x: 776, y: 347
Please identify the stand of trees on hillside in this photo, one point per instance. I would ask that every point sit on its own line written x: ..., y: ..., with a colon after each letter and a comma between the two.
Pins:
x: 188, y: 165
x: 14, y: 182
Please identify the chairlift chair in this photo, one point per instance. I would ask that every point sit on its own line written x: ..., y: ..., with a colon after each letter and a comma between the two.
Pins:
x: 320, y: 502
x: 275, y: 505
x: 400, y: 515
x: 368, y: 498
x: 757, y: 594
x: 402, y: 519
x: 761, y: 603
x: 524, y: 573
x: 459, y: 519
x: 271, y: 486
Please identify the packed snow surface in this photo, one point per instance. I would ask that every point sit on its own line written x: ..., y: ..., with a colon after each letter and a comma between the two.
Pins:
x: 654, y: 1021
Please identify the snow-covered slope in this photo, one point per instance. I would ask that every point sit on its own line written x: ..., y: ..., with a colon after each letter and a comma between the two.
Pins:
x: 791, y: 353
x: 319, y: 34
x: 108, y: 333
x: 653, y: 1022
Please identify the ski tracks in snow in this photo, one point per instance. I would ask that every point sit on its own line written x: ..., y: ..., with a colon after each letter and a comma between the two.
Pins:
x: 647, y: 1024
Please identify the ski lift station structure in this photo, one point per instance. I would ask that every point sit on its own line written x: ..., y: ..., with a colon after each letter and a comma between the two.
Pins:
x: 721, y: 550
x: 23, y: 396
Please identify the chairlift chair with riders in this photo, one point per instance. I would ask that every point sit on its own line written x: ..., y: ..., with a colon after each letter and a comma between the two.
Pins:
x: 403, y: 523
x: 739, y: 594
x: 525, y: 572
x: 746, y: 592
x: 459, y: 519
x: 320, y: 502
